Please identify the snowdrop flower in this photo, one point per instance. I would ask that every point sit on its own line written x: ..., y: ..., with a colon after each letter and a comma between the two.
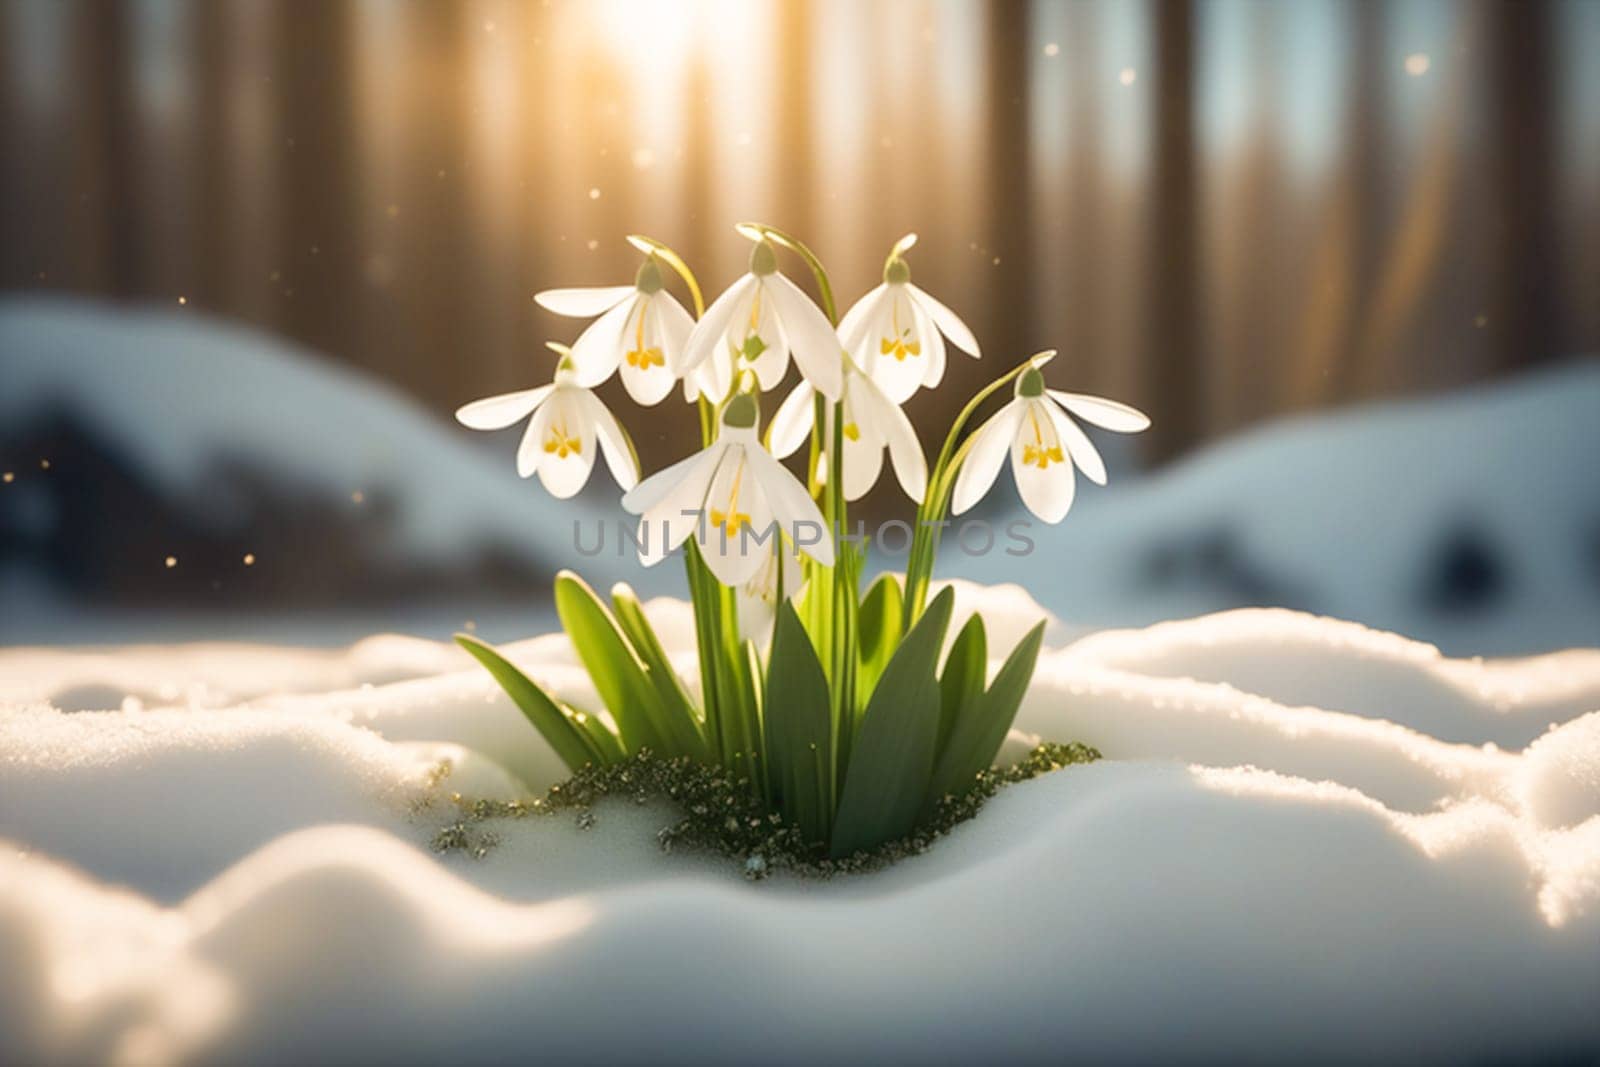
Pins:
x: 641, y: 328
x: 1041, y: 438
x: 734, y: 498
x: 872, y: 423
x: 762, y: 318
x: 894, y: 331
x: 560, y: 440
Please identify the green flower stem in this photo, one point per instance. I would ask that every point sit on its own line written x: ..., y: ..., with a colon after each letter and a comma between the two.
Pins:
x: 716, y: 623
x: 833, y: 600
x: 935, y: 504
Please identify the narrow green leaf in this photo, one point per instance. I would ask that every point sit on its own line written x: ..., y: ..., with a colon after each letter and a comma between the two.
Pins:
x: 617, y: 673
x: 542, y: 710
x: 979, y: 732
x: 879, y: 625
x: 680, y: 719
x: 891, y: 759
x: 798, y: 727
x: 961, y: 685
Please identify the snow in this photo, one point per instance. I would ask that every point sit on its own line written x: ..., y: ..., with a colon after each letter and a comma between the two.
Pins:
x: 1469, y: 519
x: 184, y: 397
x: 1309, y: 839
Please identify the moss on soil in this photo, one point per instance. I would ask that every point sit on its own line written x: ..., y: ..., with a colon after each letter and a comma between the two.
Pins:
x: 721, y: 817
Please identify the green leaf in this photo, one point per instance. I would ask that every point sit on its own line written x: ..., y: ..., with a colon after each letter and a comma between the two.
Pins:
x: 982, y: 726
x: 619, y: 676
x: 879, y: 627
x: 798, y: 727
x: 961, y: 685
x: 891, y: 758
x: 551, y: 718
x: 679, y: 717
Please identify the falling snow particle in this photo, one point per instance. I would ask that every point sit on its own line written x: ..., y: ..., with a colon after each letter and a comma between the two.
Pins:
x: 1127, y: 76
x: 593, y: 244
x: 643, y: 158
x: 357, y: 497
x: 594, y: 194
x: 8, y: 477
x: 249, y: 559
x: 172, y: 561
x: 1417, y: 64
x: 44, y: 464
x: 1052, y: 50
x: 183, y: 300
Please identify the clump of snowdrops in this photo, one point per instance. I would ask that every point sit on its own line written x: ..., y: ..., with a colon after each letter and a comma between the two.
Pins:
x: 833, y: 709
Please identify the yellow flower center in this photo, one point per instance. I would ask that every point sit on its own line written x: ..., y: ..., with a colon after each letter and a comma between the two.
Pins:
x: 852, y: 431
x: 1041, y: 457
x: 562, y: 445
x: 1038, y: 454
x: 640, y: 356
x: 730, y: 518
x: 897, y: 346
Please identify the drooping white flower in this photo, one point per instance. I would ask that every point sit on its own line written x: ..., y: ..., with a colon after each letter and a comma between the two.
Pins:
x: 872, y: 423
x: 1044, y: 444
x: 734, y: 498
x: 641, y: 328
x: 559, y: 444
x: 759, y: 321
x: 894, y: 332
x: 757, y: 598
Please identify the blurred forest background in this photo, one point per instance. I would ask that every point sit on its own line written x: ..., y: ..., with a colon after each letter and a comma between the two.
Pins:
x: 1218, y: 210
x: 1221, y: 211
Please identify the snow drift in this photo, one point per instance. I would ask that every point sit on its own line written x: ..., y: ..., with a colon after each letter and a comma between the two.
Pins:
x: 1308, y: 840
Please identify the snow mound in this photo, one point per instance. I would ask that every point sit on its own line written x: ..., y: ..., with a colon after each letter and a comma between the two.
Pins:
x: 1469, y: 519
x: 231, y: 427
x: 1250, y: 874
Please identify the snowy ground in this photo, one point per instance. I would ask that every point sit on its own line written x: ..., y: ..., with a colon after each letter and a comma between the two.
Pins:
x: 1309, y: 840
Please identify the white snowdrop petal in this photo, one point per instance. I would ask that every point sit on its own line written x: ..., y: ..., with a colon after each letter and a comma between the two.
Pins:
x: 863, y: 463
x: 948, y: 321
x: 585, y: 302
x: 856, y: 325
x: 613, y: 443
x: 598, y: 349
x: 736, y: 530
x: 1045, y: 491
x: 675, y: 504
x: 905, y: 451
x: 898, y: 361
x: 498, y: 412
x: 531, y: 447
x: 1098, y: 411
x: 773, y: 362
x: 645, y: 368
x: 985, y: 458
x: 676, y: 325
x: 568, y: 445
x: 791, y: 426
x: 723, y: 312
x: 812, y: 340
x: 654, y: 489
x: 1077, y: 444
x: 932, y: 346
x: 791, y: 504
